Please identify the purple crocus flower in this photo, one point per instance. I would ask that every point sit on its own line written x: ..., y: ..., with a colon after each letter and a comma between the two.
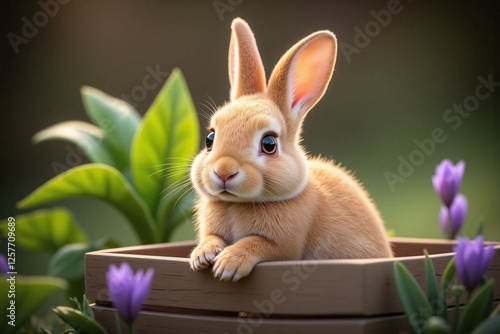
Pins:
x: 448, y: 179
x: 128, y: 291
x: 4, y: 266
x: 457, y: 211
x: 472, y: 259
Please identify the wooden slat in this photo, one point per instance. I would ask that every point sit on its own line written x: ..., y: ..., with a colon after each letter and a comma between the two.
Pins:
x: 155, y: 322
x: 324, y: 287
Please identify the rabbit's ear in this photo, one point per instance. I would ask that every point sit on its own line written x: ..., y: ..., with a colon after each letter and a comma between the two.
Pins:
x: 302, y: 75
x: 246, y: 72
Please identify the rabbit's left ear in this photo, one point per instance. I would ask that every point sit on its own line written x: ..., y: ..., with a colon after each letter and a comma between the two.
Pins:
x: 246, y: 72
x: 302, y: 75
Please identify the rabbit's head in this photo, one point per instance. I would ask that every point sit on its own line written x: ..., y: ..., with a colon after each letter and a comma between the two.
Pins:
x: 253, y: 151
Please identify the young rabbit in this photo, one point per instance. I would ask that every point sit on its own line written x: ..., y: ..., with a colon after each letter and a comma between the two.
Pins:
x: 260, y: 197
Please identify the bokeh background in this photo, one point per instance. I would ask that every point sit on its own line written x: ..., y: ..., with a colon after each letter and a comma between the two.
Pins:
x: 390, y: 92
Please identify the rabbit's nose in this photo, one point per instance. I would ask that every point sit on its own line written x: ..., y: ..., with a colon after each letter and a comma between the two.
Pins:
x: 225, y: 176
x: 226, y: 168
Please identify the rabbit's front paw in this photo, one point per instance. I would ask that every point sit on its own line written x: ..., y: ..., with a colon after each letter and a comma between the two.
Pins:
x: 204, y: 254
x: 233, y: 263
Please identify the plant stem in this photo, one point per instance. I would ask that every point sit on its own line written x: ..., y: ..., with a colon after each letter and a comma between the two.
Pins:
x: 118, y: 327
x: 457, y: 310
x: 131, y: 329
x: 450, y: 229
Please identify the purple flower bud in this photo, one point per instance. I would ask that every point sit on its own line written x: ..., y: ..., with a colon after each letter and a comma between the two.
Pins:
x: 458, y: 210
x: 472, y: 259
x: 4, y: 266
x: 448, y: 179
x: 128, y: 291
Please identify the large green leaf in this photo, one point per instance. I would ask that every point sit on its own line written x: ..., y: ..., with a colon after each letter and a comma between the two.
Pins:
x: 69, y: 262
x: 117, y: 118
x: 415, y: 305
x: 489, y: 326
x: 477, y: 309
x: 432, y: 292
x: 167, y: 138
x: 30, y: 293
x: 79, y: 321
x: 86, y: 136
x: 174, y: 213
x: 46, y: 230
x: 99, y: 182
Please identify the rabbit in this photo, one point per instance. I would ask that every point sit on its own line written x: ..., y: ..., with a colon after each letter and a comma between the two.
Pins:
x: 260, y: 197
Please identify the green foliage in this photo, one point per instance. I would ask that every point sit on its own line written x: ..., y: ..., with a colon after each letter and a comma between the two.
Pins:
x: 477, y: 309
x: 100, y: 182
x: 46, y: 230
x: 437, y: 325
x: 477, y: 316
x: 415, y: 305
x: 86, y: 136
x: 118, y: 119
x: 432, y: 290
x: 69, y: 263
x: 139, y: 167
x: 168, y: 135
x: 489, y: 326
x: 81, y: 322
x: 84, y: 306
x: 449, y: 272
x: 30, y: 294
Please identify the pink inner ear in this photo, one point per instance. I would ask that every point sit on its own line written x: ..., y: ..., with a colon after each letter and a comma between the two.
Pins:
x: 311, y: 71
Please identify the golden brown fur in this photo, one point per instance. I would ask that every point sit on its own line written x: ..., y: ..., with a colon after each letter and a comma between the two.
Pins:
x: 256, y: 207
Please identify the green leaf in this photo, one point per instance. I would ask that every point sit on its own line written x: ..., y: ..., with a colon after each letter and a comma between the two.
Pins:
x: 86, y: 308
x: 86, y: 136
x: 99, y: 182
x: 46, y: 230
x: 77, y: 302
x: 446, y: 279
x: 448, y: 274
x: 489, y: 326
x: 167, y: 138
x: 117, y: 118
x: 436, y: 303
x: 477, y: 309
x: 69, y: 261
x: 177, y: 211
x: 80, y: 322
x: 30, y: 293
x: 416, y: 307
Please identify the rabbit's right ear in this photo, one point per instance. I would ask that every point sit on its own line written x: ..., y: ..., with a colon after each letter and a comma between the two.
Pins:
x: 302, y: 75
x: 246, y: 72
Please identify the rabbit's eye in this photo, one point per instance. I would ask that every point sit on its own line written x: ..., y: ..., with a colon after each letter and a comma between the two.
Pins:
x: 269, y: 144
x: 209, y: 142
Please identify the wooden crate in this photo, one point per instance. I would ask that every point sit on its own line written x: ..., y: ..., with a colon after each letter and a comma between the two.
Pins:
x: 323, y: 296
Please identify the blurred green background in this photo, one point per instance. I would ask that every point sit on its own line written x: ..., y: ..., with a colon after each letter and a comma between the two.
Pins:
x: 392, y: 91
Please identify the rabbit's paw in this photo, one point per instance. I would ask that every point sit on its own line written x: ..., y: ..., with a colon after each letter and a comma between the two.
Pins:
x: 233, y: 263
x: 204, y: 254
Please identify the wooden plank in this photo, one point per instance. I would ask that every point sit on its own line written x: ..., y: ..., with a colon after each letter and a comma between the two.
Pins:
x: 156, y: 322
x: 291, y: 287
x: 323, y: 287
x: 163, y: 322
